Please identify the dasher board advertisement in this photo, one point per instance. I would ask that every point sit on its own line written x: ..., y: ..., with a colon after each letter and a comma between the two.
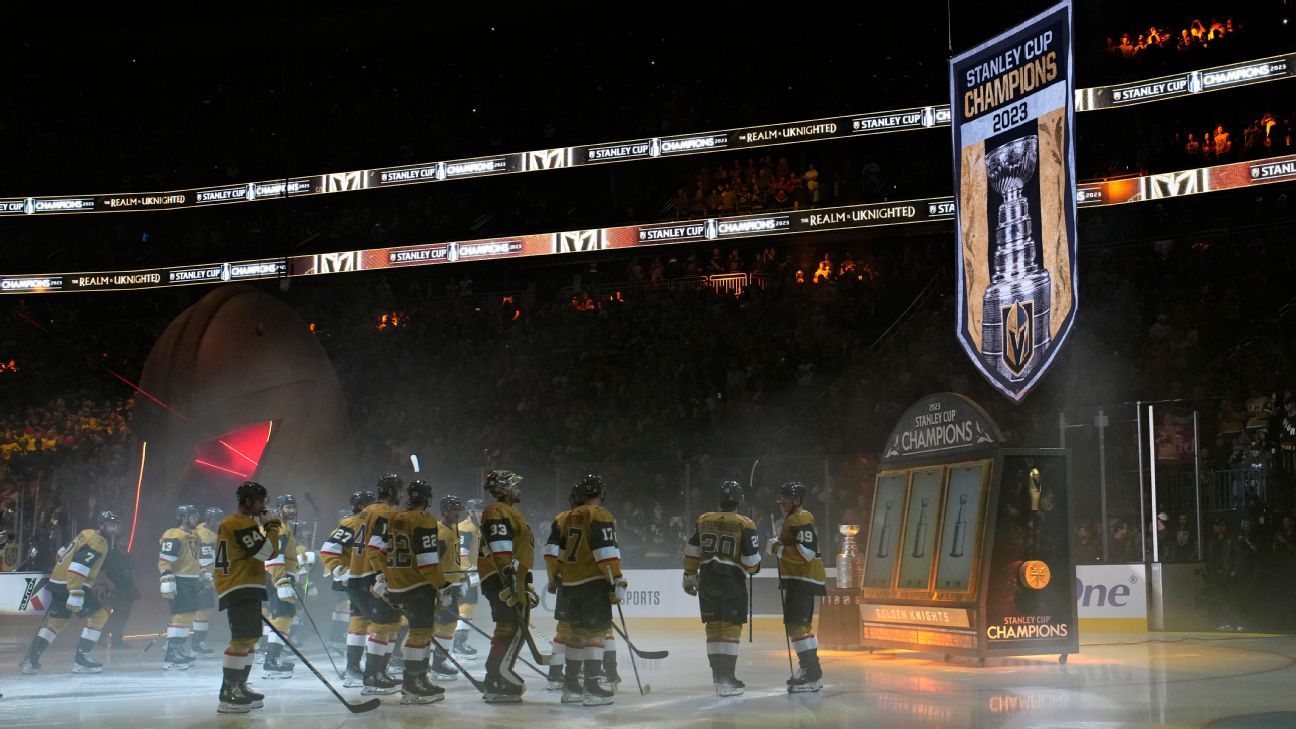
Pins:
x: 1014, y: 182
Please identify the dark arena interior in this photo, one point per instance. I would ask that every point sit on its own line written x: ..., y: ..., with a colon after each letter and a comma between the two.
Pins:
x: 494, y: 366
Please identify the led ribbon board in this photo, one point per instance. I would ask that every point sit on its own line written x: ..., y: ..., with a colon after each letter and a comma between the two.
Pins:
x: 1216, y: 78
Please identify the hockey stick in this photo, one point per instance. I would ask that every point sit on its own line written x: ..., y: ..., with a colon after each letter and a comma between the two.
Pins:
x: 524, y: 615
x: 646, y: 655
x: 481, y: 687
x: 327, y: 651
x: 612, y: 582
x: 751, y: 579
x: 360, y: 708
x: 783, y: 603
x: 484, y: 634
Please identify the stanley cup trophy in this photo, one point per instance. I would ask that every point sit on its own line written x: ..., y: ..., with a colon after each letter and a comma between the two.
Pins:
x: 1015, y: 324
x: 850, y: 567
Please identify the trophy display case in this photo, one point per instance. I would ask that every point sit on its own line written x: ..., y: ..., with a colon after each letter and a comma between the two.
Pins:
x: 968, y: 546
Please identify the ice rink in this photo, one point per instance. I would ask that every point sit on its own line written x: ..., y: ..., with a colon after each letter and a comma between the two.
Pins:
x: 1117, y: 680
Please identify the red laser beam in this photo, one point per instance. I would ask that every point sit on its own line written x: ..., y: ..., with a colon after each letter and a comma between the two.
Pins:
x: 241, y: 453
x: 220, y: 468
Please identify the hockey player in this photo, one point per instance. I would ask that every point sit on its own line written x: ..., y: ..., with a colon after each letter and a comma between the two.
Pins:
x: 71, y: 586
x: 504, y: 563
x: 801, y: 579
x: 242, y: 549
x: 365, y: 586
x: 281, y: 588
x: 412, y: 574
x: 469, y: 545
x: 207, y: 596
x: 336, y: 554
x: 552, y: 557
x: 454, y: 568
x: 181, y: 582
x: 723, y: 550
x: 589, y: 565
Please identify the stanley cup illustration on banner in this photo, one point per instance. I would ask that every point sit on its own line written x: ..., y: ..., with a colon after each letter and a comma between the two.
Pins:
x: 1014, y: 172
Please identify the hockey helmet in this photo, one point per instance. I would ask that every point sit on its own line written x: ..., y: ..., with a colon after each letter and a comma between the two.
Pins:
x: 361, y: 499
x: 419, y: 491
x: 794, y: 489
x: 499, y: 481
x: 731, y: 495
x: 213, y: 515
x: 250, y: 491
x: 388, y: 486
x: 590, y: 487
x: 184, y: 511
x: 452, y: 507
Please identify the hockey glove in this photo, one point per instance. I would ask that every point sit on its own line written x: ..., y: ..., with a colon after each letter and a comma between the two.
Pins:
x: 379, y: 588
x: 272, y: 525
x: 507, y: 597
x: 339, y: 574
x: 168, y: 586
x: 284, y: 589
x: 774, y: 548
x: 618, y: 593
x: 308, y: 558
x: 445, y: 596
x: 533, y: 598
x: 208, y: 577
x: 76, y: 600
x: 691, y: 583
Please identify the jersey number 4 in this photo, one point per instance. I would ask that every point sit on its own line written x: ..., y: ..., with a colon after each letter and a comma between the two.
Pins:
x: 222, y: 557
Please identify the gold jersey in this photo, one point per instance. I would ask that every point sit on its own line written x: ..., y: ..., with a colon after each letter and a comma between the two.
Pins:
x: 241, y: 553
x: 451, y: 559
x: 368, y: 556
x: 338, y: 548
x: 206, y: 546
x: 284, y: 562
x: 9, y: 558
x: 81, y: 561
x: 179, y: 553
x: 412, y: 551
x: 726, y: 540
x: 506, y: 539
x: 587, y: 547
x: 553, y: 550
x: 798, y: 551
x: 469, y: 543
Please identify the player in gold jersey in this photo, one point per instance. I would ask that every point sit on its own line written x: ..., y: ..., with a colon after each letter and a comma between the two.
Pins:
x: 366, y: 585
x: 504, y: 562
x: 71, y: 586
x: 723, y: 550
x: 589, y: 565
x: 243, y: 545
x: 336, y: 555
x: 469, y: 544
x: 454, y: 566
x: 413, y: 577
x: 281, y: 589
x: 179, y: 562
x: 207, y: 537
x: 801, y: 580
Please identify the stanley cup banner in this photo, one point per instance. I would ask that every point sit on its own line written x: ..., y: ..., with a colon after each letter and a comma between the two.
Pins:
x: 1014, y: 168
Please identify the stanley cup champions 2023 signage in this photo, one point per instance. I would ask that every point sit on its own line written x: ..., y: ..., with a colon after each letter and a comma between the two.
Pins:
x: 1014, y: 166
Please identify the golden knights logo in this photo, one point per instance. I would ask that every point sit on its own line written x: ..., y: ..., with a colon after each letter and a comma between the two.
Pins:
x: 341, y: 262
x: 579, y: 241
x: 547, y: 159
x: 345, y: 181
x: 1018, y: 334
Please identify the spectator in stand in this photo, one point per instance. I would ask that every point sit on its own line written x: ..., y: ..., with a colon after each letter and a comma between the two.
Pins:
x: 717, y: 263
x: 1193, y: 148
x: 1124, y: 544
x: 1223, y: 142
x: 1088, y: 549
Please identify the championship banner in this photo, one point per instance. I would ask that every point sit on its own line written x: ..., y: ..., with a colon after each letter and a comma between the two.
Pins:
x: 1014, y: 166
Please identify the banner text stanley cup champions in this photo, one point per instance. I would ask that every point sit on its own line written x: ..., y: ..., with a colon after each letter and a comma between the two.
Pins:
x: 1014, y: 161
